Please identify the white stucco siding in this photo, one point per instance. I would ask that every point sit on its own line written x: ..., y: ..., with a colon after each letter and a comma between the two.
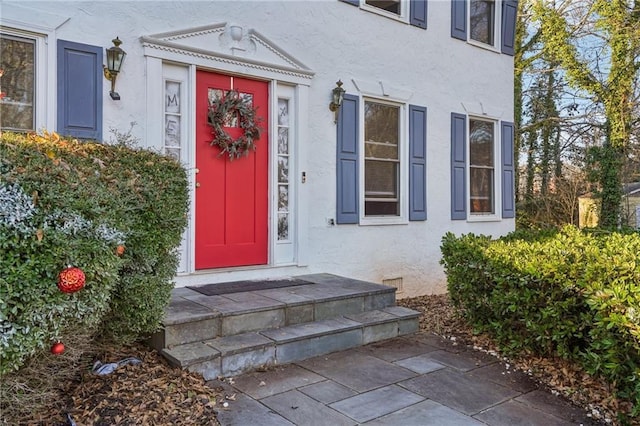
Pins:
x: 336, y: 41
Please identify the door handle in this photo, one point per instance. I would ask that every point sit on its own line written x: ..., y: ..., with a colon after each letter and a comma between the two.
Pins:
x: 197, y: 184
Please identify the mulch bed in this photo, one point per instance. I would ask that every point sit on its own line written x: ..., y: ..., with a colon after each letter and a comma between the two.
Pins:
x: 150, y: 393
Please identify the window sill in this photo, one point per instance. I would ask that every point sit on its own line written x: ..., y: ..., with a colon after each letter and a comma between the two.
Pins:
x: 484, y: 218
x: 484, y: 46
x: 382, y: 221
x: 392, y: 16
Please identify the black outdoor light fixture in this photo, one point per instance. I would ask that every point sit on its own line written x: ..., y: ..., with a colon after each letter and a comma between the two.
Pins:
x: 115, y: 56
x: 336, y: 99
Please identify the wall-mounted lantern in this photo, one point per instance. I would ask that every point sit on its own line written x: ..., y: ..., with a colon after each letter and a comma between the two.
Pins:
x: 115, y: 56
x: 337, y: 95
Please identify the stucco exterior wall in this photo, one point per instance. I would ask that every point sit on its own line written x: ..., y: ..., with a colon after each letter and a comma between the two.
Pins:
x: 336, y: 41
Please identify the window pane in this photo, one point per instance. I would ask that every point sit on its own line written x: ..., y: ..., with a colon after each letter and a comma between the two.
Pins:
x: 283, y: 169
x: 481, y: 143
x: 283, y: 140
x: 17, y: 65
x: 173, y: 153
x: 381, y: 165
x: 381, y: 123
x: 381, y: 179
x: 381, y: 188
x: 172, y: 130
x: 283, y: 198
x: 392, y: 6
x: 283, y: 227
x: 381, y: 208
x: 481, y: 190
x: 482, y: 20
x: 172, y: 91
x: 231, y: 120
x: 379, y: 150
x: 283, y: 112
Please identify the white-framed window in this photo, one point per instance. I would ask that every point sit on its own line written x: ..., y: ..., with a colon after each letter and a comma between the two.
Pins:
x: 283, y: 164
x: 482, y: 21
x: 21, y: 81
x: 381, y: 158
x: 284, y: 220
x: 489, y: 24
x: 382, y: 155
x: 413, y: 12
x: 482, y: 143
x: 173, y: 121
x: 482, y: 166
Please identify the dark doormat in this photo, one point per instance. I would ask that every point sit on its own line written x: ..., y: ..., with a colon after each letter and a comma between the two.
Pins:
x: 250, y: 285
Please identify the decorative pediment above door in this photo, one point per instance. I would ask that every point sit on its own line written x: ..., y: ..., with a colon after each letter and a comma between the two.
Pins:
x: 228, y: 47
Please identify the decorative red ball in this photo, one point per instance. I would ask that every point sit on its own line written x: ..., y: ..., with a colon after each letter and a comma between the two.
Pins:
x: 71, y: 280
x: 57, y: 348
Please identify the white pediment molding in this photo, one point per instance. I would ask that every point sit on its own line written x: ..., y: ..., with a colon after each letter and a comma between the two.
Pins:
x: 227, y: 47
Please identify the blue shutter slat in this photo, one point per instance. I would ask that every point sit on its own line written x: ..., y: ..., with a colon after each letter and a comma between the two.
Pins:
x: 418, y: 13
x: 347, y: 161
x: 458, y: 166
x: 352, y: 2
x: 508, y: 178
x: 509, y: 17
x: 459, y: 19
x: 79, y: 90
x: 417, y: 163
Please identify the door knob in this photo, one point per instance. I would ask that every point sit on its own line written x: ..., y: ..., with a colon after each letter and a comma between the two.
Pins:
x: 197, y: 184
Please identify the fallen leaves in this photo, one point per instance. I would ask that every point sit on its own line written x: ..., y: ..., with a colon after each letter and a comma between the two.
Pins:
x: 149, y: 393
x: 558, y: 375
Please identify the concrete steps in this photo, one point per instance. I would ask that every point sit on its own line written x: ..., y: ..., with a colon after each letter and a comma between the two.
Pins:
x: 225, y: 335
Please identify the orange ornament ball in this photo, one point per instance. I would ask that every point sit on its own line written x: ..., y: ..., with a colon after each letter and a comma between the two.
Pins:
x: 71, y: 279
x: 57, y: 348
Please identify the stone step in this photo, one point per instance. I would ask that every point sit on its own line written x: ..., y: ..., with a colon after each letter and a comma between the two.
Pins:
x: 194, y: 317
x: 231, y: 355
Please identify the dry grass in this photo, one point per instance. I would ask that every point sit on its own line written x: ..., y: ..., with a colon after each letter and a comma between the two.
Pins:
x: 40, y: 384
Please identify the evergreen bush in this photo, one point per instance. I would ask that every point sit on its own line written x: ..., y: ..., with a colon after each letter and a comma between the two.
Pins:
x: 65, y: 202
x: 572, y: 294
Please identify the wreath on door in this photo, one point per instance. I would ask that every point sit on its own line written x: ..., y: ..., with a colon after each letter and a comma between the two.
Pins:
x: 233, y: 106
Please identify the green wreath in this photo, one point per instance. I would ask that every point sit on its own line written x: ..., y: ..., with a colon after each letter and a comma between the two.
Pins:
x: 234, y: 105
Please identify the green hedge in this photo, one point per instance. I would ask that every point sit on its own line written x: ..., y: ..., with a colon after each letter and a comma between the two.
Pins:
x: 569, y: 293
x: 65, y: 202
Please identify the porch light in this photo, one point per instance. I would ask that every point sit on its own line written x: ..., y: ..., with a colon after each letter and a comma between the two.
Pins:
x: 336, y: 100
x: 115, y: 56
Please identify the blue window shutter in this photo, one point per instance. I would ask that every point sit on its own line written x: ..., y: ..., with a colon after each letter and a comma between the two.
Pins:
x: 459, y: 19
x: 508, y: 178
x: 509, y: 17
x: 347, y: 161
x: 458, y: 166
x: 417, y: 163
x: 418, y: 13
x: 79, y: 90
x: 352, y: 2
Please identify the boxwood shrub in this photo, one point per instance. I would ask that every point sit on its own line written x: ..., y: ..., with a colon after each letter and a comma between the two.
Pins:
x: 66, y: 202
x: 567, y: 293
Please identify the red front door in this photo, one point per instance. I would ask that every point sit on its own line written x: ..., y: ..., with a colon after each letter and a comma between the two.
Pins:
x: 231, y: 196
